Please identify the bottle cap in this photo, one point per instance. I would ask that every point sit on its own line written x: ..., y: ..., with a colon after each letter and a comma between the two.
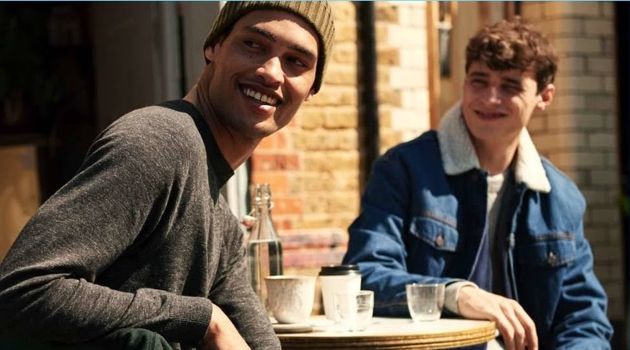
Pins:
x: 339, y: 270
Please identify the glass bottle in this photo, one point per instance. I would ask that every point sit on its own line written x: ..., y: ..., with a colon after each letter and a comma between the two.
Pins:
x: 264, y: 249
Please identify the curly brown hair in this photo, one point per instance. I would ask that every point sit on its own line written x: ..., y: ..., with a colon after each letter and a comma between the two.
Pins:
x: 514, y: 45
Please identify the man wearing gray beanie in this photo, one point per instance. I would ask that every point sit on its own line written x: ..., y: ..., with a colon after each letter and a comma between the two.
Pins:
x: 139, y: 250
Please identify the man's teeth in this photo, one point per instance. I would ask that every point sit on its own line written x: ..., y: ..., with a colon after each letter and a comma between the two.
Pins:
x: 260, y: 97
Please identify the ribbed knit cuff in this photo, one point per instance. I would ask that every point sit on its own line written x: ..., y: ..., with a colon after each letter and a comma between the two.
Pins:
x: 193, y: 315
x: 451, y: 295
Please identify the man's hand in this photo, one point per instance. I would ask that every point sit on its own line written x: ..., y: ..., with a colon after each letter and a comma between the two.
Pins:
x: 516, y: 327
x: 221, y: 333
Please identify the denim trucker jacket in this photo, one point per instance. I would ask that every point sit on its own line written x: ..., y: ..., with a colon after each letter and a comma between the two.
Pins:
x: 422, y: 220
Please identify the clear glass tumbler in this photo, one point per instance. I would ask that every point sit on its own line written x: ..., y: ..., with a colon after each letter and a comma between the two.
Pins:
x: 354, y: 310
x: 425, y: 301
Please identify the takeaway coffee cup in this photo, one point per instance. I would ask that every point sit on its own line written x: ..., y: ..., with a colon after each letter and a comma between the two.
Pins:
x: 336, y: 279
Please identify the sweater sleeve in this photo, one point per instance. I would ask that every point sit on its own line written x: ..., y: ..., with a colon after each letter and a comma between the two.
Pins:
x: 233, y: 293
x: 47, y: 279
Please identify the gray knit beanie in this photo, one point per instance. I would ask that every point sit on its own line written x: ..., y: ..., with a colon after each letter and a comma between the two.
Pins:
x: 316, y: 13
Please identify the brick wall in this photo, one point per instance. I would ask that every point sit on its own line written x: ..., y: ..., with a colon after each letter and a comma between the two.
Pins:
x: 578, y: 132
x: 403, y: 90
x: 313, y: 164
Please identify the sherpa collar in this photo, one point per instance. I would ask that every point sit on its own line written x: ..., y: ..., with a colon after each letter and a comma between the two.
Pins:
x: 458, y: 153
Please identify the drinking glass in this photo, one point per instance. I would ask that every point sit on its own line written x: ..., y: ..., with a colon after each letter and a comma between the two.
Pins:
x: 354, y: 310
x: 425, y: 301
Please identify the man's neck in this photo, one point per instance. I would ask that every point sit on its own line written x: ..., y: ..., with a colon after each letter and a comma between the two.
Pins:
x: 235, y: 149
x: 495, y: 157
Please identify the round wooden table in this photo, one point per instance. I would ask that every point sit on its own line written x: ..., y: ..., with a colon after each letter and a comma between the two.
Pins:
x: 389, y: 333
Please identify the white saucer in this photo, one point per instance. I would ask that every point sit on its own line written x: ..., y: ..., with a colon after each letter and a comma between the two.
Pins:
x: 292, y: 328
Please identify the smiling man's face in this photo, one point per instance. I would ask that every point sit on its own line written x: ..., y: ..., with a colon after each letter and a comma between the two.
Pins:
x: 262, y: 72
x: 497, y: 105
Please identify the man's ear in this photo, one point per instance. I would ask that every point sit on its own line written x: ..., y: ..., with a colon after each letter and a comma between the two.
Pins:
x: 545, y: 97
x: 210, y: 51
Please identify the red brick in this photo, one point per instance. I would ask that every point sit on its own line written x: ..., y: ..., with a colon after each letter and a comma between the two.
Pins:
x: 283, y: 224
x: 313, y: 257
x: 266, y: 162
x: 274, y: 142
x: 318, y: 238
x: 278, y: 182
x: 287, y: 206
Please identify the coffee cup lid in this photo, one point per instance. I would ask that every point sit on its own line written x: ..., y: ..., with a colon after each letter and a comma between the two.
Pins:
x: 339, y: 270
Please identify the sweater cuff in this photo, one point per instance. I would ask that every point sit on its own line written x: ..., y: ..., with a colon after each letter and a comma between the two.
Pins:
x: 451, y: 294
x: 193, y: 314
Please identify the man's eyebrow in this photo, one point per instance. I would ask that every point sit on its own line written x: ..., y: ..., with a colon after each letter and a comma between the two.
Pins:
x: 267, y: 34
x: 270, y: 36
x: 515, y: 81
x: 303, y: 51
x: 479, y: 74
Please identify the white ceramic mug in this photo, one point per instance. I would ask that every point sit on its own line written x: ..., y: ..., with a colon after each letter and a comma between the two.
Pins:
x: 290, y: 298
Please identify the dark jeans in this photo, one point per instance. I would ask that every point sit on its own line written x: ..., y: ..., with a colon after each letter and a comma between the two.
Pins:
x: 124, y: 339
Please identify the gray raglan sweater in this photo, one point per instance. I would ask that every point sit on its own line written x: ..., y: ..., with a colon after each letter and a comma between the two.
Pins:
x: 140, y: 237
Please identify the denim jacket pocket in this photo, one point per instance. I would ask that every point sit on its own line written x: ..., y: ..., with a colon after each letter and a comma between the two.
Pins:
x: 435, y: 233
x: 552, y: 250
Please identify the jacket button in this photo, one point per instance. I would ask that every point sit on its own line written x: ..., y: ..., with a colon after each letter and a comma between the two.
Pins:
x: 439, y: 240
x: 552, y: 258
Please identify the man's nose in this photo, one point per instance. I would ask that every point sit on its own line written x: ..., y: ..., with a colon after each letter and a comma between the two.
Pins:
x: 493, y: 95
x: 271, y: 71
